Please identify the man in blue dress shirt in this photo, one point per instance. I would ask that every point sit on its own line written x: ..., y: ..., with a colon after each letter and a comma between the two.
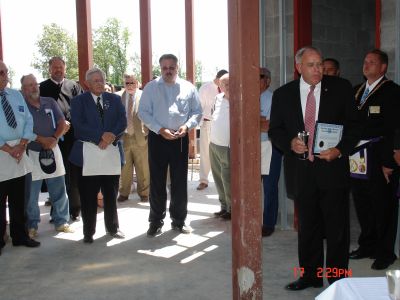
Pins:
x: 16, y: 130
x: 169, y: 107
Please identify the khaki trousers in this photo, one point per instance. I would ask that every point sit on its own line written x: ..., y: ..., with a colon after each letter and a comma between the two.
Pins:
x: 136, y: 157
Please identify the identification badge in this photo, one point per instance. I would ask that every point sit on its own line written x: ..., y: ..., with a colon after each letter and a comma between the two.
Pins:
x: 374, y: 109
x: 21, y: 108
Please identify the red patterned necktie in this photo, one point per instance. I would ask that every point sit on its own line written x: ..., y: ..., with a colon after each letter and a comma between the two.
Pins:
x: 309, y: 120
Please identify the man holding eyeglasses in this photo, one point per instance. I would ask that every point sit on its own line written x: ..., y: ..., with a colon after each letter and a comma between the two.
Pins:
x: 16, y: 131
x: 135, y: 144
x: 169, y: 107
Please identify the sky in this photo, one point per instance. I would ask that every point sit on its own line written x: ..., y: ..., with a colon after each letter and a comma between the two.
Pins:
x: 23, y: 20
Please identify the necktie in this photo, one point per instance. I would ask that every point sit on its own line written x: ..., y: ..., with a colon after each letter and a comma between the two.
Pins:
x: 364, y: 96
x: 100, y: 109
x: 129, y: 128
x: 309, y: 120
x: 8, y: 112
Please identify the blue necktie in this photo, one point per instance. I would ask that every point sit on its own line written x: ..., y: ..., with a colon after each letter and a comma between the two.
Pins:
x: 364, y: 96
x: 8, y: 112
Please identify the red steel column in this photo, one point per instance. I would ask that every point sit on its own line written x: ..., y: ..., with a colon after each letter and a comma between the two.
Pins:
x: 145, y: 41
x: 84, y: 34
x: 1, y: 40
x: 302, y: 26
x: 244, y: 102
x: 189, y: 32
x: 378, y: 15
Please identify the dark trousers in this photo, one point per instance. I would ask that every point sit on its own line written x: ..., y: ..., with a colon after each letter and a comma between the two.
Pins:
x: 270, y: 185
x: 15, y: 190
x: 322, y: 211
x: 164, y: 153
x: 89, y: 186
x: 377, y: 206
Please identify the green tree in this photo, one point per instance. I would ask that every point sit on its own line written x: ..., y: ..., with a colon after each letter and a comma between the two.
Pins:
x: 56, y: 41
x: 110, y: 43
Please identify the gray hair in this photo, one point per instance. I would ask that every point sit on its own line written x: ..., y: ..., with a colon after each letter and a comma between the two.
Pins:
x: 301, y: 51
x: 90, y: 72
x: 54, y: 58
x: 26, y: 76
x: 265, y: 71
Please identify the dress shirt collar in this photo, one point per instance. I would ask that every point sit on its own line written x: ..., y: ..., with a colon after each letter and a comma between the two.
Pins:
x: 57, y: 83
x: 373, y: 85
x: 95, y: 98
x: 304, y: 86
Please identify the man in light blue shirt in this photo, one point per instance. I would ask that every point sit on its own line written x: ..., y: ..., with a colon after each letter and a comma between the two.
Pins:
x: 169, y: 107
x: 16, y: 130
x: 270, y: 180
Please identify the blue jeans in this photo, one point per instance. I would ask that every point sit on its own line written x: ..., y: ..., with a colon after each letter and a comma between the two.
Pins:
x: 270, y: 184
x: 58, y: 198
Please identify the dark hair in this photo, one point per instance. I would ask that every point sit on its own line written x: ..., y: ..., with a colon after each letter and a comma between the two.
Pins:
x: 383, y: 57
x: 334, y: 61
x: 168, y: 56
x: 220, y: 73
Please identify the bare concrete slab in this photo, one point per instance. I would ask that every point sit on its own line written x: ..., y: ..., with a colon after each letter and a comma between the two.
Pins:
x: 170, y: 266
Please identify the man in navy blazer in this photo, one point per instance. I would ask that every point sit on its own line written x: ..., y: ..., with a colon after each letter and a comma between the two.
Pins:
x: 99, y: 120
x: 321, y: 182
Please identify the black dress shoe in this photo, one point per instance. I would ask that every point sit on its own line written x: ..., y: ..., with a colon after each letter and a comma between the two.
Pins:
x: 381, y: 264
x: 226, y: 216
x: 219, y: 213
x: 74, y: 218
x: 31, y: 243
x: 88, y: 239
x: 181, y: 228
x: 267, y: 231
x: 359, y: 254
x: 154, y: 230
x: 118, y: 234
x: 302, y: 284
x: 122, y: 198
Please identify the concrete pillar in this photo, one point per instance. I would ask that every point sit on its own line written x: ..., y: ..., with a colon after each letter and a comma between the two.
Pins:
x: 84, y: 34
x: 244, y: 90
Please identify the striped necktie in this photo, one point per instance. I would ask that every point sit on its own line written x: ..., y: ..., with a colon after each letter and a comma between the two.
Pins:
x: 100, y: 109
x: 309, y: 120
x: 364, y: 96
x: 8, y: 112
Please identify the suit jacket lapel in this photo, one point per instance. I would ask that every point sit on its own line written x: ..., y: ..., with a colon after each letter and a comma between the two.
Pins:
x: 297, y: 106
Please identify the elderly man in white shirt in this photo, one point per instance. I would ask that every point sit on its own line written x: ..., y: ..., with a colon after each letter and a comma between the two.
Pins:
x: 207, y: 93
x: 220, y: 149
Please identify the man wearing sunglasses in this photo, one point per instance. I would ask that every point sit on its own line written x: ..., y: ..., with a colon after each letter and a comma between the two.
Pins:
x: 135, y: 144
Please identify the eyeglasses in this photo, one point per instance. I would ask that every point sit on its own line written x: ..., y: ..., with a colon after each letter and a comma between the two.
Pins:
x: 168, y: 68
x: 127, y: 83
x: 4, y: 73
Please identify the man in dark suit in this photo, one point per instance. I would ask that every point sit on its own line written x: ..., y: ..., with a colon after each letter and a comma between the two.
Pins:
x: 321, y: 181
x: 374, y: 188
x: 99, y: 120
x: 62, y: 90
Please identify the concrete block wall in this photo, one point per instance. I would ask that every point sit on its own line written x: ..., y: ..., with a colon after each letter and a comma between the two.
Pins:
x: 388, y: 34
x: 344, y: 30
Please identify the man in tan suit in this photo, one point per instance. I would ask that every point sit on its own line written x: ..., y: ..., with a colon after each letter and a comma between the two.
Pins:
x: 135, y: 144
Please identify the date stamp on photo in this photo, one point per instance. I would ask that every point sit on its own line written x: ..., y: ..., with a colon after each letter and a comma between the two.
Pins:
x: 325, y: 272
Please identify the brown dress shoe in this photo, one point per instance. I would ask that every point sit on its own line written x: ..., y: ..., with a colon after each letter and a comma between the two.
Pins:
x: 144, y: 198
x: 202, y: 186
x: 122, y: 198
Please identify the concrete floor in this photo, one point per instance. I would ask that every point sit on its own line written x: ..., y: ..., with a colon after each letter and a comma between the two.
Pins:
x: 171, y: 266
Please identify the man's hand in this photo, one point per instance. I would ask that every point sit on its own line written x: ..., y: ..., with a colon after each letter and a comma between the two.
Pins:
x: 108, y: 137
x: 264, y: 124
x: 387, y: 173
x: 167, y: 134
x: 47, y: 142
x: 329, y: 154
x: 298, y: 146
x: 66, y: 127
x: 103, y: 145
x: 397, y: 156
x: 181, y: 132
